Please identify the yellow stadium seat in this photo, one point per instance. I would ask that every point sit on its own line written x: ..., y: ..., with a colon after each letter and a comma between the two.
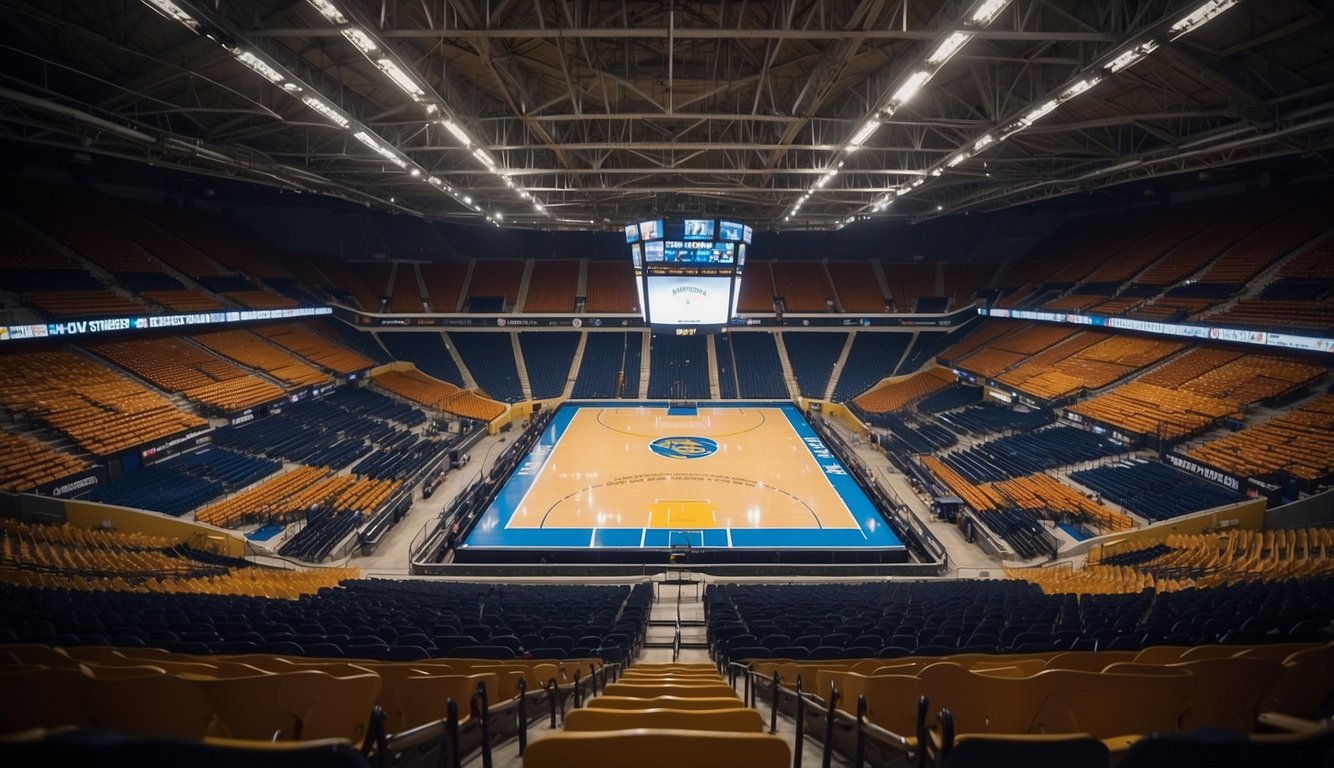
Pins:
x: 658, y: 748
x: 737, y: 719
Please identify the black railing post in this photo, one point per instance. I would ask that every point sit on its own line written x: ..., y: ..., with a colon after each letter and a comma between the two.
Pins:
x: 578, y: 691
x: 479, y: 706
x: 593, y: 675
x: 375, y: 737
x: 799, y: 740
x: 746, y: 694
x: 523, y: 715
x: 829, y: 725
x: 553, y: 699
x: 452, y: 727
x: 922, y: 705
x: 859, y: 755
x: 773, y: 708
x: 946, y: 735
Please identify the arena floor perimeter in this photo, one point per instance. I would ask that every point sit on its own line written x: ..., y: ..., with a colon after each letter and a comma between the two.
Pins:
x: 738, y: 477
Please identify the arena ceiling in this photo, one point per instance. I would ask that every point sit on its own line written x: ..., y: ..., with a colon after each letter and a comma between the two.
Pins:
x: 585, y: 114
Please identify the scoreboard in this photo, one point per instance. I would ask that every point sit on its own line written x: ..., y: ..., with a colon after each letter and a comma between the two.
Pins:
x: 688, y: 271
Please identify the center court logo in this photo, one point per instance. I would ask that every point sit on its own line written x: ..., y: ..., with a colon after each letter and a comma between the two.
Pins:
x: 684, y: 447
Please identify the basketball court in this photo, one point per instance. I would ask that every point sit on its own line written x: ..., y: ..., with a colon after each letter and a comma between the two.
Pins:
x: 741, y: 477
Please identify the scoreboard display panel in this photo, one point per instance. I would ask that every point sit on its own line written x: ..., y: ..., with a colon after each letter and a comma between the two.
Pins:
x: 688, y: 271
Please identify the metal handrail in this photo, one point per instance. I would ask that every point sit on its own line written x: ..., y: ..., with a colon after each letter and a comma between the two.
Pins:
x: 799, y: 740
x: 477, y: 704
x: 452, y: 729
x: 376, y: 742
x: 523, y: 715
x: 676, y: 640
x: 554, y: 700
x: 834, y: 696
x: 804, y: 700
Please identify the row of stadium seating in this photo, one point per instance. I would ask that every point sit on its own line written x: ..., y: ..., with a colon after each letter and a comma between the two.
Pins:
x: 749, y: 366
x: 1028, y: 452
x: 440, y: 395
x: 375, y: 619
x: 26, y: 463
x: 946, y: 618
x: 185, y: 482
x: 986, y: 419
x: 610, y: 365
x: 547, y: 358
x: 1153, y: 490
x: 1192, y: 561
x: 322, y: 531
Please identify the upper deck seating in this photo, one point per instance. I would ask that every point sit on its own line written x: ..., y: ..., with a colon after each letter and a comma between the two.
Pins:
x: 804, y: 286
x: 315, y: 348
x: 611, y: 287
x: 495, y: 279
x: 176, y: 365
x: 757, y: 288
x: 444, y: 284
x: 552, y: 286
x: 857, y: 287
x: 405, y: 295
x: 250, y: 349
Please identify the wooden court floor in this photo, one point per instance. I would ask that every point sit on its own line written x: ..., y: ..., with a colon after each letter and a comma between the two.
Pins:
x: 638, y: 467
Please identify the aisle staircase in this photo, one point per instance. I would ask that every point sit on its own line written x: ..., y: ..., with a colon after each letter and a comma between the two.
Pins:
x: 578, y: 361
x: 715, y: 391
x: 655, y: 716
x: 521, y: 367
x: 789, y: 378
x: 676, y: 620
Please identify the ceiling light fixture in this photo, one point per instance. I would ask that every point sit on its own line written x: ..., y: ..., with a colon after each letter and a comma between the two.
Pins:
x: 1037, y: 114
x: 1199, y: 17
x: 910, y: 88
x: 457, y: 130
x: 1131, y: 57
x: 331, y: 114
x: 948, y: 47
x: 361, y: 40
x: 988, y: 11
x: 259, y: 65
x: 174, y: 12
x: 400, y: 78
x: 329, y: 11
x: 865, y: 132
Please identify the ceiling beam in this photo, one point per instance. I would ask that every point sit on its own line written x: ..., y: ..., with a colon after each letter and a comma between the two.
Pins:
x: 701, y: 33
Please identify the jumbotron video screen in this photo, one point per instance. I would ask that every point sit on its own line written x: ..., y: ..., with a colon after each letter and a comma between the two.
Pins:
x: 688, y: 271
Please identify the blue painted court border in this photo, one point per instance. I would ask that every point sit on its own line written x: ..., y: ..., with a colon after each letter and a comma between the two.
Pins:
x: 490, y: 532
